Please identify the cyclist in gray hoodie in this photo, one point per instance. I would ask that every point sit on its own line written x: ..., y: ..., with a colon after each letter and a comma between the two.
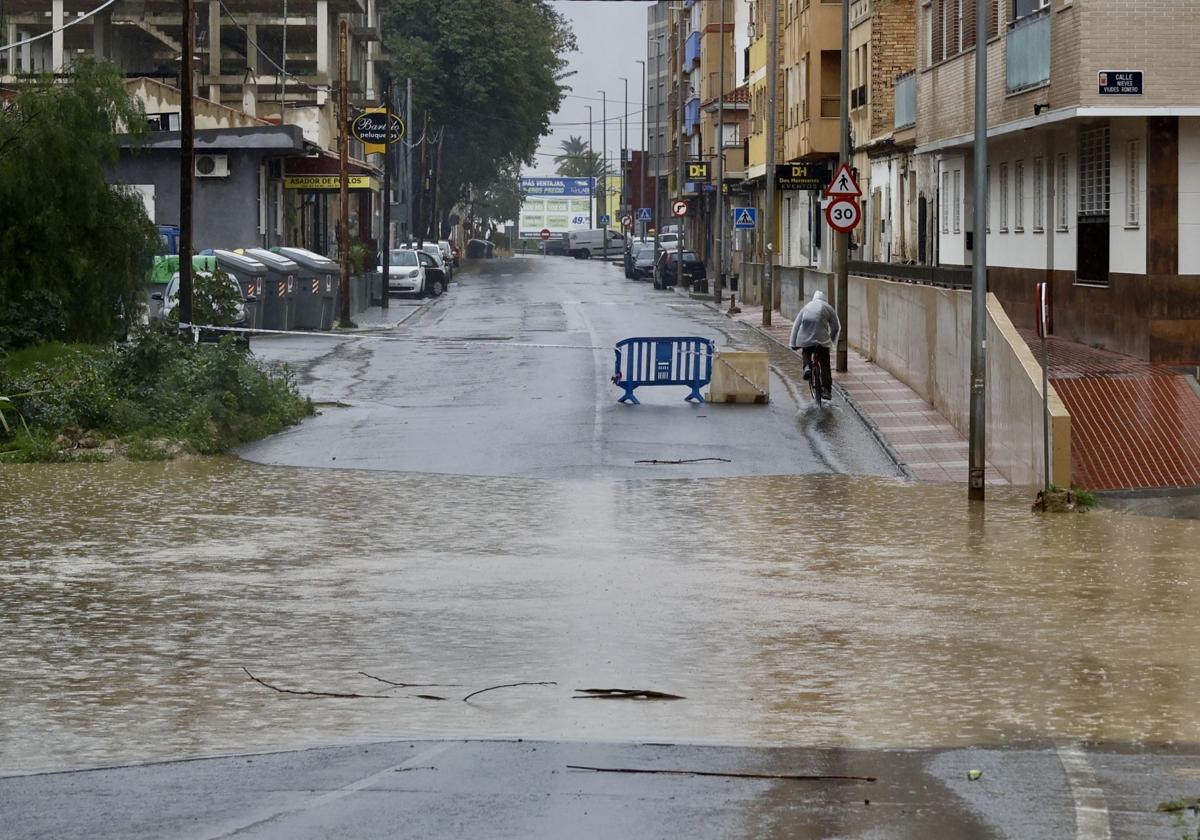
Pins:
x: 816, y: 330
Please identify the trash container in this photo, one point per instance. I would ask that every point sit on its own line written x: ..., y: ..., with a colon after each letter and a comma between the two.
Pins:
x: 251, y: 275
x: 161, y: 272
x: 317, y: 289
x: 279, y: 297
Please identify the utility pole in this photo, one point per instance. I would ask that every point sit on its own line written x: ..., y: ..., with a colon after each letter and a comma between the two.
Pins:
x: 645, y: 149
x: 842, y: 360
x: 589, y: 159
x: 977, y: 427
x: 344, y: 178
x: 408, y: 169
x: 604, y: 146
x: 419, y: 216
x: 681, y: 163
x: 719, y: 280
x: 625, y: 150
x: 768, y: 292
x: 435, y: 221
x: 658, y: 155
x: 386, y: 252
x: 187, y: 127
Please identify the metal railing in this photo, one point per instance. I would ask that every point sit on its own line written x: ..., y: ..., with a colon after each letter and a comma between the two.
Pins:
x: 1029, y: 51
x: 906, y: 100
x: 947, y: 277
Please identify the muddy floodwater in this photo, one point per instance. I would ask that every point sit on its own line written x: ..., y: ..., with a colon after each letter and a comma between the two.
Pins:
x: 792, y: 610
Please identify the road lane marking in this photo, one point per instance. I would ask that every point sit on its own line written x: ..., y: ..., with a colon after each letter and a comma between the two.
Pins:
x: 339, y: 793
x: 1091, y: 810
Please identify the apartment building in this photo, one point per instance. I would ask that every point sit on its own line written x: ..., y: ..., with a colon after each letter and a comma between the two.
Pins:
x: 658, y: 81
x: 883, y: 116
x: 277, y: 68
x: 1094, y: 162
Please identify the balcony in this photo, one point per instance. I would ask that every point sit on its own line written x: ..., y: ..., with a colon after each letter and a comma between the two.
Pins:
x: 906, y: 100
x: 831, y: 107
x: 691, y: 50
x: 1029, y: 52
x: 691, y: 115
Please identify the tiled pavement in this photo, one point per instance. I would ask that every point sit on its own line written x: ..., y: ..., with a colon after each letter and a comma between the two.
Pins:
x: 931, y: 448
x: 1133, y: 424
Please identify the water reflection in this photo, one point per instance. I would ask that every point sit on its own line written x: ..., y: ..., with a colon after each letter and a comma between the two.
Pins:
x: 790, y: 610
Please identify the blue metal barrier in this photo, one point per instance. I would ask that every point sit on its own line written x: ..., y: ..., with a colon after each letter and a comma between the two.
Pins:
x: 684, y: 360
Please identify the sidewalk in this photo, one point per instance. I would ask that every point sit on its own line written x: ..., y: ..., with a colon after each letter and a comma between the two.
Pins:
x: 1134, y: 424
x: 926, y: 444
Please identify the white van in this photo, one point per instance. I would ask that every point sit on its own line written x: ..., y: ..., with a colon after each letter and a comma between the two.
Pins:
x: 581, y: 244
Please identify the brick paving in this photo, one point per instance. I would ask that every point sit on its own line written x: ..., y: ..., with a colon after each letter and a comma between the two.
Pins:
x: 930, y: 447
x: 1134, y: 424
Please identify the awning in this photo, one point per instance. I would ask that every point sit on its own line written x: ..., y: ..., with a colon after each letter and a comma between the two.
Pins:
x: 322, y: 172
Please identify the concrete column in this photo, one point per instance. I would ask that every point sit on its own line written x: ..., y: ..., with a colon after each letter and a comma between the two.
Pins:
x: 214, y: 48
x: 102, y: 34
x: 250, y: 86
x: 11, y: 57
x: 26, y: 53
x: 323, y: 43
x: 56, y: 40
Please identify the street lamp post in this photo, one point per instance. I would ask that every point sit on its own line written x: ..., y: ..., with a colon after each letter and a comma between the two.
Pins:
x: 978, y: 405
x: 645, y: 148
x: 625, y: 148
x: 589, y: 159
x: 604, y: 168
x: 719, y: 280
x: 768, y: 293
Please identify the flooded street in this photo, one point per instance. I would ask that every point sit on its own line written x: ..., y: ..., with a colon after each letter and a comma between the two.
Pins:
x: 797, y: 610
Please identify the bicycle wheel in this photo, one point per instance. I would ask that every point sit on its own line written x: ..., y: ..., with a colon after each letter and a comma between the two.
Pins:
x: 817, y: 382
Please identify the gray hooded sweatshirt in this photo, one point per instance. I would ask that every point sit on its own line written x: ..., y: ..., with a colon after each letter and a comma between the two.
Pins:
x: 817, y: 323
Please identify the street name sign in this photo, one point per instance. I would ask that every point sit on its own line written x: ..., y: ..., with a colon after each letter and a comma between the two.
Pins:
x: 1119, y: 82
x: 745, y: 218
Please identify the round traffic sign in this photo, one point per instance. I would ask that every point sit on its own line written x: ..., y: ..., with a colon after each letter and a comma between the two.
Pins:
x: 627, y: 220
x: 545, y: 234
x: 843, y: 214
x: 679, y: 207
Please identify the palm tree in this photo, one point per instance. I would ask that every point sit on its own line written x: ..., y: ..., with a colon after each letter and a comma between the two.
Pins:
x: 578, y: 161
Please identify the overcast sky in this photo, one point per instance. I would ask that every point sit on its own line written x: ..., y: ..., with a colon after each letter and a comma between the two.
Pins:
x: 612, y: 38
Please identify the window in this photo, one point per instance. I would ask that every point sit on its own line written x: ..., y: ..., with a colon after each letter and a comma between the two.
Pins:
x: 945, y: 202
x: 1093, y: 172
x: 1132, y: 183
x: 1019, y: 197
x: 957, y: 198
x: 1024, y: 8
x: 1063, y: 198
x: 1004, y: 198
x: 804, y: 88
x: 987, y: 211
x: 1039, y: 195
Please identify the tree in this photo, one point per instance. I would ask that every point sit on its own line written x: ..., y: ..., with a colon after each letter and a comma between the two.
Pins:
x: 577, y: 160
x: 489, y: 73
x: 72, y: 246
x: 500, y: 202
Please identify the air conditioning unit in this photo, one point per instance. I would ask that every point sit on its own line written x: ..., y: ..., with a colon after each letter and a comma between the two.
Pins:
x: 212, y: 166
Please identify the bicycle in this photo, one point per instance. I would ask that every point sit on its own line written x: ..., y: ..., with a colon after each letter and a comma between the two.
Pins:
x: 816, y: 384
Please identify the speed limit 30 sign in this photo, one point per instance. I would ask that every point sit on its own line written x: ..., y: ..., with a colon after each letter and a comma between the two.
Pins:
x: 843, y: 214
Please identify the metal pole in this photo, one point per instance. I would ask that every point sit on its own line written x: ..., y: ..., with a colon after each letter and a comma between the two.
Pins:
x: 658, y: 157
x: 591, y: 204
x: 604, y: 147
x: 408, y: 171
x: 645, y: 149
x: 1045, y: 411
x: 387, y: 195
x: 344, y: 177
x: 283, y: 69
x: 187, y: 126
x: 769, y: 222
x: 1050, y: 224
x: 682, y: 154
x: 842, y: 362
x: 625, y: 148
x: 719, y: 280
x: 977, y: 424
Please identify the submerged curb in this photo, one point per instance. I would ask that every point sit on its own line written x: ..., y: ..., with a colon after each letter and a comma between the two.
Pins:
x: 879, y: 436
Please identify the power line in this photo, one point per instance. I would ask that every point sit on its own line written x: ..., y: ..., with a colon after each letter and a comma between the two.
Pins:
x: 65, y: 26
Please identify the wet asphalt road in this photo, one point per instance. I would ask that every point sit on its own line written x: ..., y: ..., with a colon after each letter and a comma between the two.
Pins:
x: 514, y: 789
x: 508, y: 375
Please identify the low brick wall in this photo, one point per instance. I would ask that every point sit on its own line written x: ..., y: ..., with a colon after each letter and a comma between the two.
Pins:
x: 921, y: 335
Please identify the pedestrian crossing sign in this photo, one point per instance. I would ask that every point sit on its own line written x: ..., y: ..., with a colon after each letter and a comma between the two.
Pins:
x: 745, y: 218
x: 644, y: 214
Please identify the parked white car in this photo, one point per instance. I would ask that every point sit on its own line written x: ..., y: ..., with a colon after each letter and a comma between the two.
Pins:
x: 406, y: 276
x: 582, y: 244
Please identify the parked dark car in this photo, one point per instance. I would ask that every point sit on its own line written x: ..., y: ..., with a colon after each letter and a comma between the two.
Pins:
x: 643, y: 264
x: 667, y: 275
x: 631, y: 251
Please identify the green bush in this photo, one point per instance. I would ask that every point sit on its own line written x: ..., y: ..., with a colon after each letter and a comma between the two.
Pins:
x: 207, y: 397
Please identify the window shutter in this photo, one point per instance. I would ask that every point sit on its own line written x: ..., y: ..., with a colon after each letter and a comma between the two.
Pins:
x: 937, y: 48
x: 953, y: 28
x: 994, y: 18
x: 968, y: 25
